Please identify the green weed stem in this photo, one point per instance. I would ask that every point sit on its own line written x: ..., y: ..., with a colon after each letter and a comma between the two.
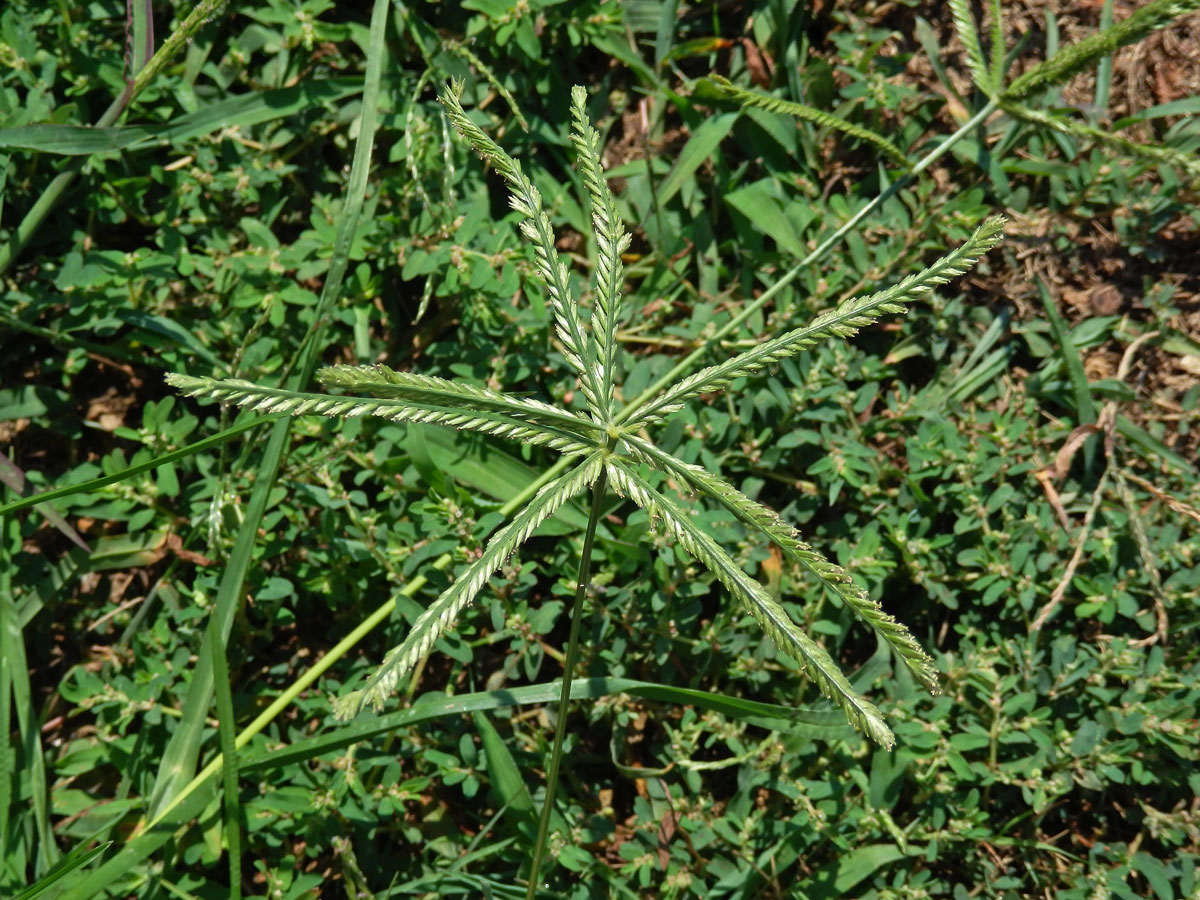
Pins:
x: 684, y: 366
x: 564, y: 698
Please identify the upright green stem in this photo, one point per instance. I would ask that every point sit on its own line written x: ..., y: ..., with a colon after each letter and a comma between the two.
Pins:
x: 564, y: 697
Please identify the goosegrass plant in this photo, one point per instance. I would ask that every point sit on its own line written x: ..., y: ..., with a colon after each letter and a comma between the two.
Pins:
x: 609, y: 444
x: 939, y: 449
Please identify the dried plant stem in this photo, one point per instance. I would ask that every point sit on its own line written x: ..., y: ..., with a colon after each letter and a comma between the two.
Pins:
x: 1108, y: 421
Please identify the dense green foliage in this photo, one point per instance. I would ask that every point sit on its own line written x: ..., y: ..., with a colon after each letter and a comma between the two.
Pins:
x: 1009, y: 468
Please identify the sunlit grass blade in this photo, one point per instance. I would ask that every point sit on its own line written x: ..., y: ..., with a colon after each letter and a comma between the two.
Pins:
x: 465, y: 415
x: 842, y: 321
x: 770, y: 615
x: 817, y: 724
x: 441, y: 614
x: 237, y: 112
x: 77, y: 859
x: 14, y: 679
x: 226, y: 729
x: 611, y: 241
x: 179, y: 759
x: 771, y: 526
x: 527, y: 201
x: 9, y: 624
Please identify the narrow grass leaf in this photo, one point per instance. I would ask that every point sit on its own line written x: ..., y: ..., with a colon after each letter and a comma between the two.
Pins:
x: 78, y: 858
x: 179, y: 759
x: 244, y: 111
x: 9, y: 624
x: 1151, y: 444
x: 1085, y: 406
x: 704, y: 140
x: 75, y: 140
x: 11, y: 475
x: 33, y: 769
x: 811, y: 723
x: 141, y: 34
x: 840, y: 877
x: 758, y: 202
x: 929, y: 43
x: 226, y: 730
x: 511, y: 790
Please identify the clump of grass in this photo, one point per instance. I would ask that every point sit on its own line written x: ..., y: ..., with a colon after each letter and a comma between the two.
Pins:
x: 608, y: 445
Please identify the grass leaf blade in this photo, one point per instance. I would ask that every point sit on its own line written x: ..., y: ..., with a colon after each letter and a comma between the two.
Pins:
x: 179, y: 760
x: 226, y: 729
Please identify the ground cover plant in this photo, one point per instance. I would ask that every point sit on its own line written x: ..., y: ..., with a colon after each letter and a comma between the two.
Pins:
x: 1008, y: 468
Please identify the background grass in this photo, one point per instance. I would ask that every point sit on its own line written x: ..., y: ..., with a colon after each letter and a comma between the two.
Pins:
x: 944, y: 458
